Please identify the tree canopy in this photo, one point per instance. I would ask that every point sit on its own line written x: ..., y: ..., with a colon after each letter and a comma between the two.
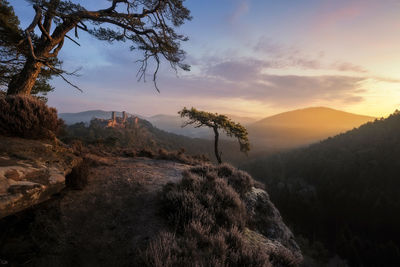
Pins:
x: 216, y: 121
x: 149, y: 26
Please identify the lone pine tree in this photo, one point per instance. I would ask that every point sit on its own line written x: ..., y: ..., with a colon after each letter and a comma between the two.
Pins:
x: 216, y: 121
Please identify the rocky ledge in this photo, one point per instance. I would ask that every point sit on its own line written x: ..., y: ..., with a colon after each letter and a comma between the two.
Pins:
x: 31, y: 171
x: 266, y: 227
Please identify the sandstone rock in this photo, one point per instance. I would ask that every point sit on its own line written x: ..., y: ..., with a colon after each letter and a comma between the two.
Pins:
x: 31, y: 172
x: 266, y: 224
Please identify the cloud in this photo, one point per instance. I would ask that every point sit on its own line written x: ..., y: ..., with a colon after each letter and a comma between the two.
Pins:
x: 241, y: 9
x: 237, y: 70
x: 247, y: 80
x: 346, y: 66
x: 285, y: 56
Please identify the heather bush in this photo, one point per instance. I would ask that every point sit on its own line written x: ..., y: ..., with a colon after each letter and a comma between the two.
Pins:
x: 281, y: 257
x: 129, y: 153
x: 197, y: 247
x: 207, y: 217
x: 78, y: 177
x: 145, y: 153
x: 208, y: 200
x: 177, y: 156
x: 239, y: 180
x: 28, y: 117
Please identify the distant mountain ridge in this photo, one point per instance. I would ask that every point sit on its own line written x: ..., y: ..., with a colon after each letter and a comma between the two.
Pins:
x: 281, y: 131
x: 303, y: 126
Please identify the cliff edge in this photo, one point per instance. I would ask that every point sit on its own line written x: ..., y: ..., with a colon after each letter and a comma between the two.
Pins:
x: 112, y: 221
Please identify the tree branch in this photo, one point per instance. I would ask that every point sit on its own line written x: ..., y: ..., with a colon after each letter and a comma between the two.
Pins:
x: 43, y: 30
x: 73, y: 40
x: 59, y: 73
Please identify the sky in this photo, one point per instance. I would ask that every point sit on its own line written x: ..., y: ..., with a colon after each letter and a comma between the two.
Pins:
x: 252, y: 58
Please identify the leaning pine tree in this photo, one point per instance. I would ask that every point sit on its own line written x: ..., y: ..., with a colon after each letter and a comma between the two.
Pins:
x: 216, y: 121
x: 149, y: 26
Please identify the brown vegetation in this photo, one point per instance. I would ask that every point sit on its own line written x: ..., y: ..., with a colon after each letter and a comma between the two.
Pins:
x: 207, y: 217
x: 28, y: 117
x: 240, y: 181
x: 78, y: 178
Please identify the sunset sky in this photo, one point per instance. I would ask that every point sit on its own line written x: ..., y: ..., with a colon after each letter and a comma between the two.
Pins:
x: 251, y: 58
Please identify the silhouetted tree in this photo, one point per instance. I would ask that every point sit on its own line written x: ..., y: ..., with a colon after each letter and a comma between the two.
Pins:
x: 147, y: 24
x: 12, y: 54
x: 216, y: 121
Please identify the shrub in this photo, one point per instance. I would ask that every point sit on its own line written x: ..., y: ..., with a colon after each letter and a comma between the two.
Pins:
x: 145, y: 153
x: 208, y: 200
x: 77, y: 146
x: 239, y: 180
x: 207, y: 217
x: 129, y: 153
x: 177, y: 156
x: 28, y: 117
x: 78, y: 177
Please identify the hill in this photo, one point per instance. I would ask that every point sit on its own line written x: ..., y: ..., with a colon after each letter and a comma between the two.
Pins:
x: 343, y: 192
x: 173, y: 124
x: 303, y: 126
x: 169, y: 123
x: 145, y: 136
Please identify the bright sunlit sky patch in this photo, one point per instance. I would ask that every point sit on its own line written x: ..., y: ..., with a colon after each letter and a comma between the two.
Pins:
x: 249, y: 58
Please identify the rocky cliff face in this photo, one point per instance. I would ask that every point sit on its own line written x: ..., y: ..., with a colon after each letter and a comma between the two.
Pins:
x: 31, y: 172
x: 266, y: 226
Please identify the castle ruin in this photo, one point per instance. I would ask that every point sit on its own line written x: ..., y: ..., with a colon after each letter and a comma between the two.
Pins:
x: 117, y: 122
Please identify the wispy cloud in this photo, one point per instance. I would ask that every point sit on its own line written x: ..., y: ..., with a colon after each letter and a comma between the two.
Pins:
x: 241, y: 9
x: 285, y: 56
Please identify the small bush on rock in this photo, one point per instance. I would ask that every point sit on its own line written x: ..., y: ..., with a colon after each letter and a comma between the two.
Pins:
x: 145, y: 153
x: 78, y: 178
x: 28, y: 117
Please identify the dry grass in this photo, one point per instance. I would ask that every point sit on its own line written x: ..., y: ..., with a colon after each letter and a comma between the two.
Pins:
x: 28, y: 117
x: 181, y: 157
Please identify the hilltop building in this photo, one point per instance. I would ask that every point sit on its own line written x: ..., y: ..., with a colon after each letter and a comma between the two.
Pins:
x: 116, y: 122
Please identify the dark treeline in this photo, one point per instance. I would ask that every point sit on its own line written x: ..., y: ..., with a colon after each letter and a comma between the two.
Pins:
x: 343, y: 192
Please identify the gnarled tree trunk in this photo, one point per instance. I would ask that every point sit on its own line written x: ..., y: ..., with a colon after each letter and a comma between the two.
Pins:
x: 217, y: 153
x: 23, y: 82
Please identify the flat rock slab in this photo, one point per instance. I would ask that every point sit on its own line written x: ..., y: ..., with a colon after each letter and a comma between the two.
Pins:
x: 31, y: 172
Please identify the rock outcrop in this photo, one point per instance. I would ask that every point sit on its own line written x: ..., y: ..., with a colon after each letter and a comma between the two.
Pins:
x: 31, y: 172
x: 266, y: 227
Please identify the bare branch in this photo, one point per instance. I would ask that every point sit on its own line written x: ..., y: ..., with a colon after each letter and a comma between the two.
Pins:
x: 30, y: 29
x: 60, y: 73
x: 73, y: 40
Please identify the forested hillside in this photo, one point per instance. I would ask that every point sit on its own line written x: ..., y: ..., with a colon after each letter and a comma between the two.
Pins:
x: 344, y: 191
x: 145, y: 136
